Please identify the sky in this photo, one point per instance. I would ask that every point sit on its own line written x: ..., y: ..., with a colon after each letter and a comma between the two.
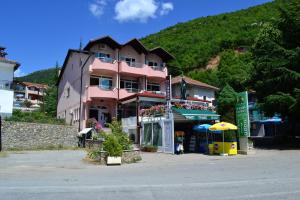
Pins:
x: 38, y: 33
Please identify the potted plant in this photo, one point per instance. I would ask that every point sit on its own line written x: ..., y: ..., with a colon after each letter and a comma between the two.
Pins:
x: 114, y: 150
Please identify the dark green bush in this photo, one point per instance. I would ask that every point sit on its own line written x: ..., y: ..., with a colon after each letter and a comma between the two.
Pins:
x: 112, y: 146
x: 34, y: 117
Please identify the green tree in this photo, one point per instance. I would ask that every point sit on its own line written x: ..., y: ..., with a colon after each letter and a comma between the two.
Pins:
x: 235, y: 69
x: 276, y: 54
x: 226, y: 101
x: 50, y: 98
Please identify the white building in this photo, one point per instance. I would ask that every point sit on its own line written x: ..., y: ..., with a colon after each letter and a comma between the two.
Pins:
x: 195, y: 90
x: 7, y: 68
x: 27, y: 91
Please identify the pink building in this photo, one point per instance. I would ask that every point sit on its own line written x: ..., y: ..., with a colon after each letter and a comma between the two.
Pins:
x: 95, y: 81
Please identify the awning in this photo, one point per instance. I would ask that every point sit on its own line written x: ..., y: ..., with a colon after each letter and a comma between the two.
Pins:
x: 84, y: 131
x: 197, y: 114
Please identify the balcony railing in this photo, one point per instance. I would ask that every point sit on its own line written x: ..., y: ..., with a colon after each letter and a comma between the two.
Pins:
x: 107, y: 60
x: 6, y: 85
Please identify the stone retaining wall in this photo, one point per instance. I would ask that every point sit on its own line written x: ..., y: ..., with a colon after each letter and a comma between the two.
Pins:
x: 27, y: 136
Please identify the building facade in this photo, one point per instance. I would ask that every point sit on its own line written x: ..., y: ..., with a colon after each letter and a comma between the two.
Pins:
x: 7, y: 68
x: 31, y: 92
x: 195, y: 90
x: 94, y: 81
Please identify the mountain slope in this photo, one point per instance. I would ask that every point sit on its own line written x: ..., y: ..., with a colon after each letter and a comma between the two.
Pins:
x: 46, y: 76
x: 195, y: 42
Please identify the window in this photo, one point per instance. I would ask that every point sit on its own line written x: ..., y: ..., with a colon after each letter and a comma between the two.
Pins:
x: 130, y: 85
x: 129, y: 61
x: 68, y: 92
x: 204, y: 98
x: 153, y: 87
x: 102, y: 81
x: 152, y: 64
x: 104, y: 57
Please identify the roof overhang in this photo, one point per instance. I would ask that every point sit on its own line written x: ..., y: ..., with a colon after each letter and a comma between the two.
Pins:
x: 165, y: 55
x: 137, y: 45
x: 106, y: 40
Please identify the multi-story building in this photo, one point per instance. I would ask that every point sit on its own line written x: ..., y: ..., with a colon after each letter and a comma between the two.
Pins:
x: 7, y: 68
x: 27, y: 91
x: 94, y: 81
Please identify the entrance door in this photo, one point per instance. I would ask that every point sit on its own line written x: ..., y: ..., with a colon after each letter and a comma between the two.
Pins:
x: 93, y: 114
x: 103, y: 116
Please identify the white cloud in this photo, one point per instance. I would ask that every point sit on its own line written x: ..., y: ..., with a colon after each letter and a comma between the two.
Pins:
x: 135, y: 10
x: 97, y: 7
x: 166, y: 8
x: 19, y: 73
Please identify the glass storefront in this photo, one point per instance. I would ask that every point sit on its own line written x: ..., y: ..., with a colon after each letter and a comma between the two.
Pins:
x: 152, y: 134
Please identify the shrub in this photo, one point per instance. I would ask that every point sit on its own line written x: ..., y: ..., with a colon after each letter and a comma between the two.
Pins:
x: 112, y: 146
x: 122, y: 137
x: 35, y: 116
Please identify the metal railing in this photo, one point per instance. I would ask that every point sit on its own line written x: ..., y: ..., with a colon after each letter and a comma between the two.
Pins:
x: 6, y: 85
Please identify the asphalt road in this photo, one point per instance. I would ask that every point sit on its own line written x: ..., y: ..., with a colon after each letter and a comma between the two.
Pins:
x: 55, y: 175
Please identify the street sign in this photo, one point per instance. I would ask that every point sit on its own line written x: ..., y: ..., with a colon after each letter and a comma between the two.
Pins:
x: 242, y: 115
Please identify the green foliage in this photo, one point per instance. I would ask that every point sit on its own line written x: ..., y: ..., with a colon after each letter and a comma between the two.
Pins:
x: 195, y: 42
x: 122, y: 137
x: 50, y: 101
x: 207, y: 76
x: 27, y: 103
x: 227, y: 100
x: 276, y: 76
x: 279, y: 102
x: 45, y: 76
x: 49, y: 77
x: 235, y: 69
x: 112, y: 146
x: 289, y: 22
x: 34, y: 117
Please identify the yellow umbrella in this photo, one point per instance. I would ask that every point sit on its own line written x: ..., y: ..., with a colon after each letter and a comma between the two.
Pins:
x: 223, y: 126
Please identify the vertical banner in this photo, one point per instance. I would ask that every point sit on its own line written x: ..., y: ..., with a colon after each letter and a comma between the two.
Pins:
x: 168, y: 88
x: 168, y: 136
x: 242, y: 115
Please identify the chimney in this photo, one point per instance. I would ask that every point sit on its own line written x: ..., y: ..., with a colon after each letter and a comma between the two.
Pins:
x: 2, y: 52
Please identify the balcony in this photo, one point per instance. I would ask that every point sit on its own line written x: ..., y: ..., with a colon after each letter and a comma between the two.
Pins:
x: 98, y: 92
x: 107, y: 65
x: 140, y: 69
x: 35, y: 92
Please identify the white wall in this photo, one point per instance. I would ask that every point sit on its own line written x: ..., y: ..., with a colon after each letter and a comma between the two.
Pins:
x: 6, y: 102
x: 194, y: 91
x: 6, y: 72
x: 6, y: 96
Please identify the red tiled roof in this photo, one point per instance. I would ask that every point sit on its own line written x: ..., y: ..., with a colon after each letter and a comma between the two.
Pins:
x: 190, y: 81
x: 37, y: 85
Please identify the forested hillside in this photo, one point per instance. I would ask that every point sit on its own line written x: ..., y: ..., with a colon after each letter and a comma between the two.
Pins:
x: 46, y: 76
x: 194, y: 42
